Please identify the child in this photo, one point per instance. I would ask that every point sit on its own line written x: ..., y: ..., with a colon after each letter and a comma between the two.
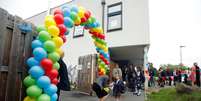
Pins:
x: 140, y: 79
x: 100, y: 87
x: 118, y: 88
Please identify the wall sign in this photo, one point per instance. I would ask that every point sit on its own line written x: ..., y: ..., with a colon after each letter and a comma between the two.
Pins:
x: 78, y: 31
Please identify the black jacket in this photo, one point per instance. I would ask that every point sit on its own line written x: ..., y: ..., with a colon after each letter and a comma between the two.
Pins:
x: 64, y: 83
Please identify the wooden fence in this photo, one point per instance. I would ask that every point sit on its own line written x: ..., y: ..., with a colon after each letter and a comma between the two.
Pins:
x: 15, y: 48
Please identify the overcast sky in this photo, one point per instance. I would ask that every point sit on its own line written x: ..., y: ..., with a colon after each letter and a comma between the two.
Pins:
x: 172, y: 23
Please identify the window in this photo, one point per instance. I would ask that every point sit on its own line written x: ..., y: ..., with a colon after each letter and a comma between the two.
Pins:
x: 114, y: 17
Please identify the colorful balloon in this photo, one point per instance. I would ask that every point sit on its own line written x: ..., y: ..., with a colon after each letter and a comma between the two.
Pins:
x: 58, y: 11
x: 43, y: 82
x: 66, y: 12
x: 68, y: 22
x: 51, y: 89
x: 62, y: 29
x: 87, y: 14
x: 40, y: 28
x: 49, y: 22
x: 39, y: 53
x: 47, y: 64
x: 59, y: 19
x: 73, y: 16
x: 55, y: 81
x: 36, y: 71
x: 54, y: 56
x: 43, y: 97
x: 49, y: 46
x: 36, y: 43
x: 29, y: 81
x: 59, y: 50
x: 53, y: 30
x: 44, y: 36
x: 74, y: 8
x: 58, y: 41
x: 56, y: 66
x: 29, y: 99
x: 34, y: 91
x: 52, y: 74
x: 32, y: 62
x: 54, y: 97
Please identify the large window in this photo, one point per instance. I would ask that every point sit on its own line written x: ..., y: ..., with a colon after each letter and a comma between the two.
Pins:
x: 114, y: 17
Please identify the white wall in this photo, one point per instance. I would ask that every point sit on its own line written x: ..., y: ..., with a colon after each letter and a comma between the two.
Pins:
x: 135, y: 24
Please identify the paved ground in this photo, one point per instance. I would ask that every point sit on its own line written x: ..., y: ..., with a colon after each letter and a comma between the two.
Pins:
x: 76, y: 96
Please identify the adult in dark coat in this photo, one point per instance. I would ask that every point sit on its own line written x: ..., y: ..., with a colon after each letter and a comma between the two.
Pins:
x: 197, y: 74
x: 64, y: 83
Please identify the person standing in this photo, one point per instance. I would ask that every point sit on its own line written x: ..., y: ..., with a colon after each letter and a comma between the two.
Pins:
x: 118, y: 88
x: 197, y: 74
x: 140, y: 79
x: 64, y: 83
x: 116, y: 72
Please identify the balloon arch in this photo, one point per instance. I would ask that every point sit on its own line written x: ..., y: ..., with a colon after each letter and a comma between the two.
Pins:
x: 43, y: 66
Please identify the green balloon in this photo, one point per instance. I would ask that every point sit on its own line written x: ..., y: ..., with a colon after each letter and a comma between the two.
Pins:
x: 89, y: 21
x: 93, y: 19
x: 73, y: 16
x: 54, y: 56
x: 40, y: 28
x: 49, y: 46
x: 34, y: 91
x: 29, y: 81
x: 44, y: 36
x: 43, y: 97
x: 56, y: 65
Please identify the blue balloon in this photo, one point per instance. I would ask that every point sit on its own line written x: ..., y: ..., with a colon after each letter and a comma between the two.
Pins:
x: 36, y: 71
x: 43, y: 82
x: 51, y: 89
x: 36, y: 43
x: 39, y: 53
x: 74, y: 8
x: 68, y: 22
x: 32, y: 62
x: 54, y: 97
x: 66, y: 12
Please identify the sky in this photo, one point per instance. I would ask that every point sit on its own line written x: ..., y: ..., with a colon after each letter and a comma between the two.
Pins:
x: 172, y: 23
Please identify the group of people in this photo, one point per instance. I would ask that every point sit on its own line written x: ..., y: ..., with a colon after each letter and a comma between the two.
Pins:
x: 170, y: 77
x: 122, y: 78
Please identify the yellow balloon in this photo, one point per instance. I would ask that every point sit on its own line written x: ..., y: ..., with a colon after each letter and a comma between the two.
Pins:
x: 53, y: 30
x: 81, y: 13
x: 49, y: 22
x: 28, y: 99
x: 59, y: 51
x: 58, y: 41
x: 49, y: 16
x: 77, y: 21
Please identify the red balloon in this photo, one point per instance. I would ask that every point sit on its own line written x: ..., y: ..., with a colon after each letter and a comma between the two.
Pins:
x: 52, y: 74
x: 87, y: 14
x: 55, y: 81
x: 62, y: 28
x: 59, y: 19
x: 46, y: 64
x: 84, y: 19
x: 63, y: 38
x: 58, y: 11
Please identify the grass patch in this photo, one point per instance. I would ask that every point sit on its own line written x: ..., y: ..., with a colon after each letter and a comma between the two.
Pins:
x: 170, y: 94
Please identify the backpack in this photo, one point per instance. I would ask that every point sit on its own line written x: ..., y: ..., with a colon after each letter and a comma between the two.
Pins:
x: 122, y: 86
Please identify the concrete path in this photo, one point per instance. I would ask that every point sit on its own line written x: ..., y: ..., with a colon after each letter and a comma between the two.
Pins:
x: 76, y: 96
